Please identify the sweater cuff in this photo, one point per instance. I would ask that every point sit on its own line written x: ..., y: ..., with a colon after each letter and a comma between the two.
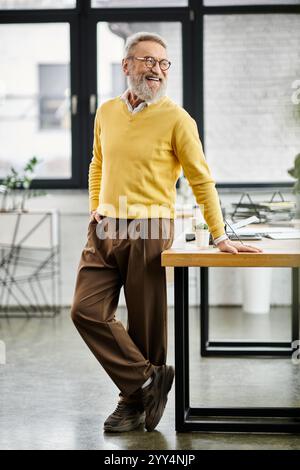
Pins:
x: 220, y: 239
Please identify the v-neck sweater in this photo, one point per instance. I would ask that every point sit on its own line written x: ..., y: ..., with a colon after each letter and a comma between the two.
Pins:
x: 138, y: 157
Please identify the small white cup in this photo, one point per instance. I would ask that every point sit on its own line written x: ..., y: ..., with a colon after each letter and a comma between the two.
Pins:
x: 202, y: 238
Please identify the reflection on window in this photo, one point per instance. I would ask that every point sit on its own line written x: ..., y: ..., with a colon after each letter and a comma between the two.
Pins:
x: 35, y: 98
x: 251, y: 71
x: 110, y: 78
x: 250, y: 2
x: 138, y: 3
x: 36, y: 4
x: 54, y: 96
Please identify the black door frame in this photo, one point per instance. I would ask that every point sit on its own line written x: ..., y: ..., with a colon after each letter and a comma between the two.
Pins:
x: 83, y: 68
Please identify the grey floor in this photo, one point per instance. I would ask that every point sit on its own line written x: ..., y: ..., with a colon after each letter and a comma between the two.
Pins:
x: 54, y: 395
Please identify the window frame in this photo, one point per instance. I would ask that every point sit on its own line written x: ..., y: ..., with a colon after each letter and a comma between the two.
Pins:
x: 56, y: 16
x: 95, y: 15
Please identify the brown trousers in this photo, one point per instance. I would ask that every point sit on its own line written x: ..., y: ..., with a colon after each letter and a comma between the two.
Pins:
x: 107, y: 264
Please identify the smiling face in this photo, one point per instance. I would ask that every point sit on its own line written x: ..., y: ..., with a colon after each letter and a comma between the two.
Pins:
x: 148, y: 84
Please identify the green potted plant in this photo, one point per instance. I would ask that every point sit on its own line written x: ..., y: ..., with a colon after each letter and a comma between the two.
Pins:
x: 15, y: 187
x: 202, y: 235
x: 295, y: 173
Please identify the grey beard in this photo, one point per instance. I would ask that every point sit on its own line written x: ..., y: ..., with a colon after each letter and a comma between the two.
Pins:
x: 139, y: 87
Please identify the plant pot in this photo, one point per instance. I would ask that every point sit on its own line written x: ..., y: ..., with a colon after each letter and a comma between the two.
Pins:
x: 202, y: 239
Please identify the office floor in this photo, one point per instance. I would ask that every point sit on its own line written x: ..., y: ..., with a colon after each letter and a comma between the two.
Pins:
x: 54, y: 395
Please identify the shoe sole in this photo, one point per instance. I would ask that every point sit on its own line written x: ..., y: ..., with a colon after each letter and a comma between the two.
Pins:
x: 126, y: 426
x: 165, y: 388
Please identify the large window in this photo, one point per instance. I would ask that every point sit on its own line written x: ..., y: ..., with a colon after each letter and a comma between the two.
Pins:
x: 35, y: 98
x: 235, y: 69
x: 249, y: 2
x: 53, y: 88
x: 56, y: 69
x: 36, y: 4
x: 138, y: 3
x: 251, y: 121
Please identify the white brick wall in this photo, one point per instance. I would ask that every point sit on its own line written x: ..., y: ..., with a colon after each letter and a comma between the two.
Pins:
x: 252, y: 127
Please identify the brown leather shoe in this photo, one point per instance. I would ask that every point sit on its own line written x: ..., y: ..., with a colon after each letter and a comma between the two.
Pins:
x: 126, y: 417
x: 155, y: 395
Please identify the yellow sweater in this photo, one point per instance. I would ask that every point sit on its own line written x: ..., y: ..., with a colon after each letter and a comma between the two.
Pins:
x: 139, y: 157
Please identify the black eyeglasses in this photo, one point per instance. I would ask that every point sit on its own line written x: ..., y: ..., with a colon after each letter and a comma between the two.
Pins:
x: 151, y: 62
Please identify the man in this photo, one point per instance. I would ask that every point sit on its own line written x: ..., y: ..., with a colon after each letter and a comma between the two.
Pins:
x: 141, y: 141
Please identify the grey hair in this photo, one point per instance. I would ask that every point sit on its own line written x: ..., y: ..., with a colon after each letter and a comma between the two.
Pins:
x: 134, y: 39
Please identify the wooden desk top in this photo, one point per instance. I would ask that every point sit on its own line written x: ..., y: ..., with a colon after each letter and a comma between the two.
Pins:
x: 277, y: 253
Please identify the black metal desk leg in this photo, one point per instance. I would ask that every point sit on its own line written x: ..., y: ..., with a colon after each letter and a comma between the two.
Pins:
x: 241, y: 347
x: 295, y: 305
x: 182, y: 379
x: 204, y: 311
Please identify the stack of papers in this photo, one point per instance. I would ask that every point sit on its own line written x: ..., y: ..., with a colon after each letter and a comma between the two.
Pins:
x: 284, y: 235
x: 276, y: 233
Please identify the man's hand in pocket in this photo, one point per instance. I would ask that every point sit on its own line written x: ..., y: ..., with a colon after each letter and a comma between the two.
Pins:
x: 94, y: 216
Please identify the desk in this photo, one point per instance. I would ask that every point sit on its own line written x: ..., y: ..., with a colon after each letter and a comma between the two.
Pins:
x: 283, y: 253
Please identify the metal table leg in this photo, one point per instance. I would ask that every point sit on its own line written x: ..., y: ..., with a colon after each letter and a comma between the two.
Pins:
x: 247, y: 348
x: 252, y: 419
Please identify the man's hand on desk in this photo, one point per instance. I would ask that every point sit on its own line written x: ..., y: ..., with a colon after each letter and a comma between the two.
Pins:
x: 236, y: 247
